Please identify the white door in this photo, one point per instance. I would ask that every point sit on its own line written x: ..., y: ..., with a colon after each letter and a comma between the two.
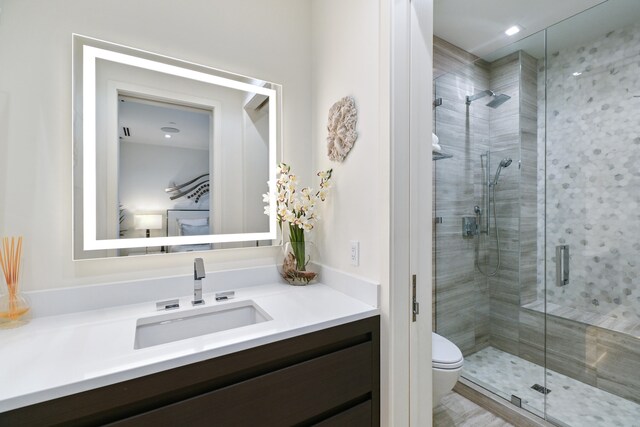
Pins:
x: 421, y: 88
x: 409, y: 388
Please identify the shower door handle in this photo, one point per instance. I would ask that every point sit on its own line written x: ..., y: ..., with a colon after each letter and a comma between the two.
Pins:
x: 562, y: 265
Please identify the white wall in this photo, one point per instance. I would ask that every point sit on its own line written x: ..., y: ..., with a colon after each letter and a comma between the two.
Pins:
x: 345, y: 63
x: 351, y: 54
x: 271, y: 41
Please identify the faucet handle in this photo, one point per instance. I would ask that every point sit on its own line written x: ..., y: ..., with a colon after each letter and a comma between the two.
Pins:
x: 198, y: 275
x: 221, y: 296
x: 168, y: 305
x: 198, y: 269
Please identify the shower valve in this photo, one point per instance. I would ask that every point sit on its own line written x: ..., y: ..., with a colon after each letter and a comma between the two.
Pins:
x: 469, y: 226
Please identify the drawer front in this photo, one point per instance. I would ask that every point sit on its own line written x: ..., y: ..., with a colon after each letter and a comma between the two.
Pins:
x: 358, y: 416
x: 314, y: 389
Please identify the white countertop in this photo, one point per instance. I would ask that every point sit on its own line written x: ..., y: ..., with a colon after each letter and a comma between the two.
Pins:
x: 59, y: 355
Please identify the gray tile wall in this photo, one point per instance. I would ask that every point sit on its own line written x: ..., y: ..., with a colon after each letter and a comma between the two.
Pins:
x: 461, y: 301
x: 469, y: 308
x: 505, y: 142
x: 600, y: 357
x: 528, y: 178
x: 513, y: 134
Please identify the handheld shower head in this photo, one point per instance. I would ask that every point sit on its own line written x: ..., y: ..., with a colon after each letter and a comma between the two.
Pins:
x: 504, y: 163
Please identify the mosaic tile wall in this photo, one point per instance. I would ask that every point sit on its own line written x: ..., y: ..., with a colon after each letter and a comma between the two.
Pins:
x: 593, y: 173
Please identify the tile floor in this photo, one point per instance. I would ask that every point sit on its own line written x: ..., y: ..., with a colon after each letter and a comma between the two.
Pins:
x: 455, y: 410
x: 570, y: 402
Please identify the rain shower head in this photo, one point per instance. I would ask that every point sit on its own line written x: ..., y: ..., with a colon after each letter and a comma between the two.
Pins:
x: 504, y: 163
x: 498, y: 99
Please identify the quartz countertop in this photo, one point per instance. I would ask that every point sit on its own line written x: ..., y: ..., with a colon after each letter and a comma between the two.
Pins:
x: 59, y: 355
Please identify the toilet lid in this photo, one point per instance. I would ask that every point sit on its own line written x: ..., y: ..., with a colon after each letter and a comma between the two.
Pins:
x: 445, y: 354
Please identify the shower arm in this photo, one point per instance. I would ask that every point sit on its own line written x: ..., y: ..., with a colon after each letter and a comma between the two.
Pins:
x: 471, y: 98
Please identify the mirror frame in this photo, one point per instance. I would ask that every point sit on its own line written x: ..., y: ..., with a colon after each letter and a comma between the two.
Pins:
x: 86, y: 51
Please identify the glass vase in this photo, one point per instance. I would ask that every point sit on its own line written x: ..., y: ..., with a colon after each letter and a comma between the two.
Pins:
x: 296, y: 268
x: 14, y: 309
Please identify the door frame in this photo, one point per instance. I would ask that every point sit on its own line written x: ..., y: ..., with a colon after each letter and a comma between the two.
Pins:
x: 409, y: 343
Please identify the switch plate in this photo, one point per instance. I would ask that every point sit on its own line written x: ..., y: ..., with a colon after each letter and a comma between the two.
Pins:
x: 355, y: 252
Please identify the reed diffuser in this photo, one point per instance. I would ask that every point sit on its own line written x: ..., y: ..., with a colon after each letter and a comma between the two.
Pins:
x: 13, y: 306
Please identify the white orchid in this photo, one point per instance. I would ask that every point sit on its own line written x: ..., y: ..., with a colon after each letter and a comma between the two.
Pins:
x: 297, y: 207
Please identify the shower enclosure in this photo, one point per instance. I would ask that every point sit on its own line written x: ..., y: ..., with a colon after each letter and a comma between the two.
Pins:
x: 537, y: 216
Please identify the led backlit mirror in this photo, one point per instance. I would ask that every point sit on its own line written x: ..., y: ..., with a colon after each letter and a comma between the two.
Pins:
x: 169, y: 156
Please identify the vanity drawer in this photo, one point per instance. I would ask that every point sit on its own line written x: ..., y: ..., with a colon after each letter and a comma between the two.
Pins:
x: 331, y: 377
x: 359, y: 415
x: 312, y: 390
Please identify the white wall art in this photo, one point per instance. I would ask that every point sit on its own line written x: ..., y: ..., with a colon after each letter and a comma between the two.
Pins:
x: 341, y: 127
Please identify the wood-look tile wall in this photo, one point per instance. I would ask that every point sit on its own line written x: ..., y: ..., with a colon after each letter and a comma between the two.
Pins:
x: 514, y: 135
x: 597, y: 356
x: 505, y: 143
x: 469, y: 308
x: 528, y: 178
x: 461, y: 300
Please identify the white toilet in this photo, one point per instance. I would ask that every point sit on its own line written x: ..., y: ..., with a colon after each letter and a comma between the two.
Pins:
x: 446, y: 362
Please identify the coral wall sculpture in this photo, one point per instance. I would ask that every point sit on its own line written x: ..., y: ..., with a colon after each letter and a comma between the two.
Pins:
x: 341, y: 127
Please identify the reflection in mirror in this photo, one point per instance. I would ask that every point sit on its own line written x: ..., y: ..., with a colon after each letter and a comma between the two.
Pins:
x: 164, y: 143
x: 182, y: 154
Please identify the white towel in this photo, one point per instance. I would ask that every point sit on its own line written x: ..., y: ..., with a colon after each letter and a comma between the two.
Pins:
x: 435, y: 146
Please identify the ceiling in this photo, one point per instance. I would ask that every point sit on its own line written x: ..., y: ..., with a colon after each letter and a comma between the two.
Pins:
x: 478, y: 26
x: 144, y: 119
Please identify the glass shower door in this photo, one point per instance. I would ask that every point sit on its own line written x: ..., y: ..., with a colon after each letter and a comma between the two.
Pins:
x: 484, y: 239
x: 592, y: 182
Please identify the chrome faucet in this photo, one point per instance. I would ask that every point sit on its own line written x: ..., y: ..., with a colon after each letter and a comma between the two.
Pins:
x: 198, y: 275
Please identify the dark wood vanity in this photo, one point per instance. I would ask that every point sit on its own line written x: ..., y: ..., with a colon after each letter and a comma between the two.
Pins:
x: 328, y: 378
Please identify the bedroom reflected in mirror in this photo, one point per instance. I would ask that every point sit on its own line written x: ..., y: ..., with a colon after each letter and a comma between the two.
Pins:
x: 169, y: 156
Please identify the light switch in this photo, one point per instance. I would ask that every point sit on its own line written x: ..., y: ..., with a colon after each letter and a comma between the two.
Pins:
x: 355, y: 252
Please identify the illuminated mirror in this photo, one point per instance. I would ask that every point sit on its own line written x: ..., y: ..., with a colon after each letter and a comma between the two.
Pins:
x: 183, y: 148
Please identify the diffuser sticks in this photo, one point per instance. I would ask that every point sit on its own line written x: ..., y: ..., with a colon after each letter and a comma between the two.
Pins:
x: 10, y: 255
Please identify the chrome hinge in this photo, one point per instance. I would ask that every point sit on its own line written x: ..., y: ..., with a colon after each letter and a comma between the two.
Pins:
x: 415, y: 305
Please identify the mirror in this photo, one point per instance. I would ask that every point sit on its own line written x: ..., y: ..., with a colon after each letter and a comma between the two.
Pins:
x: 169, y: 156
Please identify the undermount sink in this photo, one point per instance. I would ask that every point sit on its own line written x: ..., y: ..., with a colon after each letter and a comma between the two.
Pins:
x: 181, y: 325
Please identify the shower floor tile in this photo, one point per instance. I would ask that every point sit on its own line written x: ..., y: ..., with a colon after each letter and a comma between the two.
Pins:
x: 570, y: 402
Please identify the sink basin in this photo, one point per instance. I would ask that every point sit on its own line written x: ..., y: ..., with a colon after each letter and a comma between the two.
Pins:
x: 181, y: 325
